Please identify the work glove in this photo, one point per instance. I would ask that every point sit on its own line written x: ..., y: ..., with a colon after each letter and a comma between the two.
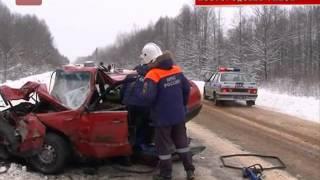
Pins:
x: 142, y: 69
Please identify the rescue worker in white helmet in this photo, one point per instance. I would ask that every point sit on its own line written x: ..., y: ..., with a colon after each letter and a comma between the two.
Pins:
x: 166, y: 90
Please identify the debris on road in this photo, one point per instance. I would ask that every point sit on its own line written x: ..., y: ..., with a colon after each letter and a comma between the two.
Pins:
x: 220, y: 146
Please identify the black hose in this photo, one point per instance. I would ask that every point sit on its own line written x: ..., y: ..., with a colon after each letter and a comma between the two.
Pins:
x: 280, y: 166
x: 119, y: 168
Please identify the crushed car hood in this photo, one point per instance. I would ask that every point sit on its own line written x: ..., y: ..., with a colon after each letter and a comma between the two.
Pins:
x: 9, y: 94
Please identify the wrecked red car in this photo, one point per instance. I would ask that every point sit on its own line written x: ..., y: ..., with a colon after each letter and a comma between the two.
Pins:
x: 81, y: 115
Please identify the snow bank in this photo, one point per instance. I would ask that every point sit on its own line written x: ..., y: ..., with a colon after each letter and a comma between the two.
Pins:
x: 40, y: 78
x: 304, y: 107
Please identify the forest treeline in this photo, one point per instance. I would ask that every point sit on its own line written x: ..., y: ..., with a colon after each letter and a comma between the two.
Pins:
x: 279, y: 46
x: 26, y: 46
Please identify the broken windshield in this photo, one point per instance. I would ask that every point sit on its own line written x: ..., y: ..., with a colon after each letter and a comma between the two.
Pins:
x: 71, y: 88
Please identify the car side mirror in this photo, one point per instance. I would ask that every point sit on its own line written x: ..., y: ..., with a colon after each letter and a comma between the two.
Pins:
x: 205, y: 79
x: 207, y: 76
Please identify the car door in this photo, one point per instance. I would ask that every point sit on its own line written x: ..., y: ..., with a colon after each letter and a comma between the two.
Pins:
x: 215, y: 83
x: 207, y: 78
x: 104, y: 134
x: 208, y: 85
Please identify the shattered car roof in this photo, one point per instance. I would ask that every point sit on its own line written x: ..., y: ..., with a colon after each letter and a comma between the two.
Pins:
x: 8, y: 94
x: 23, y: 93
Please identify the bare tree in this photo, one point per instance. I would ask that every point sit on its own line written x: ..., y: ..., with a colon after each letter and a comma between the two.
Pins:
x: 26, y: 46
x: 278, y: 46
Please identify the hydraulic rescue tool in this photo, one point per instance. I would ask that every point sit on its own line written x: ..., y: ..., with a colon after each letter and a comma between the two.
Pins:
x: 253, y: 172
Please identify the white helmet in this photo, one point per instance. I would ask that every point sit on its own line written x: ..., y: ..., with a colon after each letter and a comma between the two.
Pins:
x: 150, y: 52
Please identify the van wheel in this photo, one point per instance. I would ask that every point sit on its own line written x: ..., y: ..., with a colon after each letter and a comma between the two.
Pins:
x: 53, y: 156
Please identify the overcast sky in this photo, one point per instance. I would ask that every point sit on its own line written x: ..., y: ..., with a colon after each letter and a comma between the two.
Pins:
x: 79, y: 26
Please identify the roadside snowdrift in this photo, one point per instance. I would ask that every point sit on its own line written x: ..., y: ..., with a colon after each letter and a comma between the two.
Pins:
x: 40, y: 78
x: 304, y: 107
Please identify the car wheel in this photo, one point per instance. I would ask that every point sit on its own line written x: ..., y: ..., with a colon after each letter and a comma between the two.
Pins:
x: 204, y: 94
x: 53, y: 156
x: 250, y: 103
x: 215, y: 101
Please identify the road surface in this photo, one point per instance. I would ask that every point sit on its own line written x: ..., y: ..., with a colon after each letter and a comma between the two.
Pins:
x: 256, y: 130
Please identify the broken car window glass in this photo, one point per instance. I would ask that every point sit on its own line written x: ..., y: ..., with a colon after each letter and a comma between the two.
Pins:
x: 71, y: 88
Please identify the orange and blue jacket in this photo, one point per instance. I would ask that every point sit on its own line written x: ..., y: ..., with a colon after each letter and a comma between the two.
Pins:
x: 166, y: 90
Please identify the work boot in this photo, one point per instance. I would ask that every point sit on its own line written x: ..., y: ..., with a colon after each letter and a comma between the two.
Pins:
x: 190, y: 175
x: 159, y: 177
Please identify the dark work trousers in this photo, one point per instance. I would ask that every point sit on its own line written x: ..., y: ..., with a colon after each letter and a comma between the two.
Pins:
x: 139, y: 129
x: 169, y: 140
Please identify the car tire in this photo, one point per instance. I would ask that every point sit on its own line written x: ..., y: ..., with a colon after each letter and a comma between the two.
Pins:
x: 54, y: 155
x: 250, y: 103
x: 204, y: 94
